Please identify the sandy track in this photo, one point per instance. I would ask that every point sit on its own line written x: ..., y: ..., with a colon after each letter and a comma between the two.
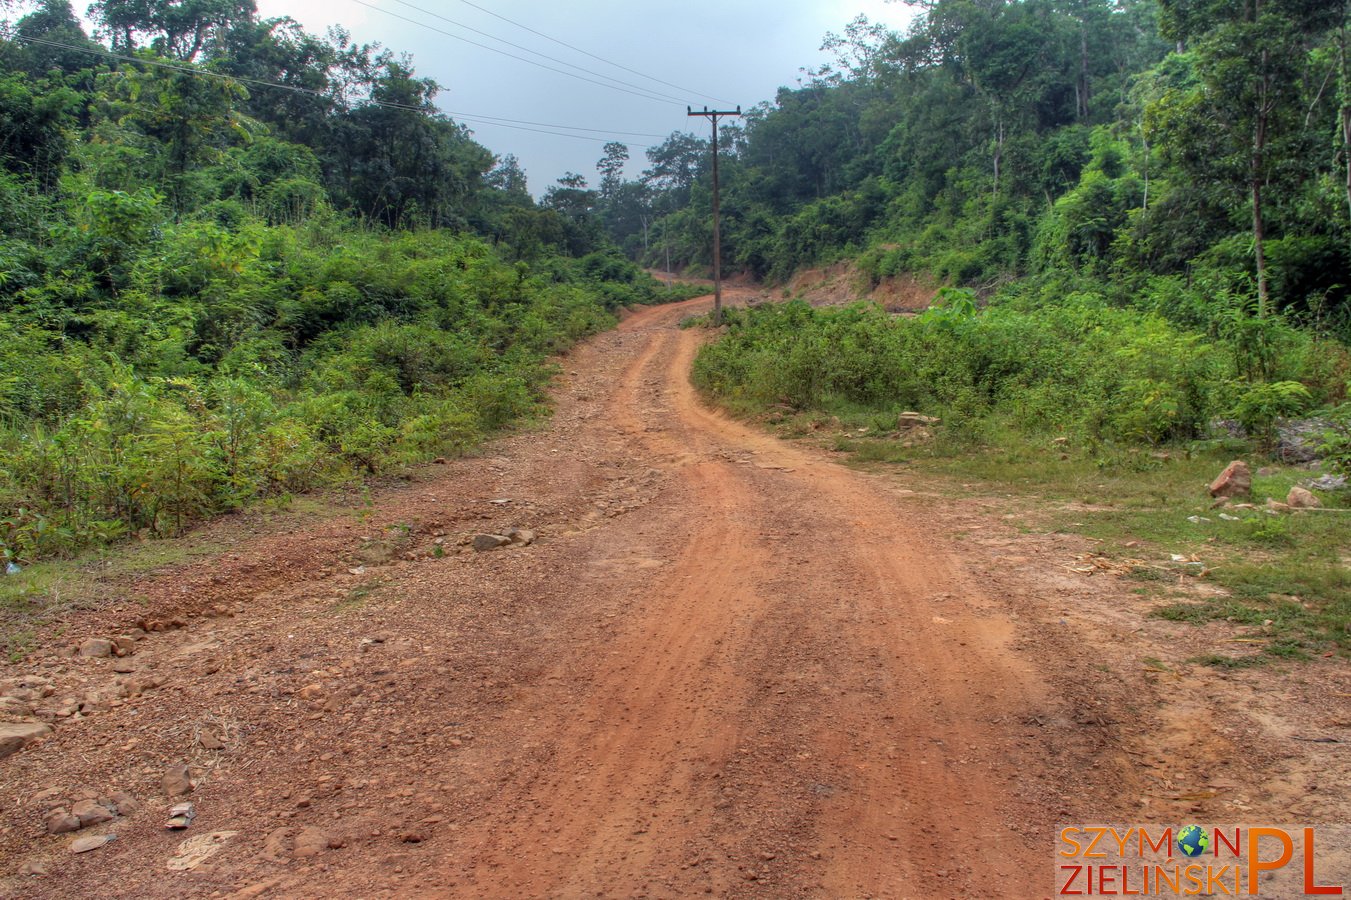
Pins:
x: 729, y: 666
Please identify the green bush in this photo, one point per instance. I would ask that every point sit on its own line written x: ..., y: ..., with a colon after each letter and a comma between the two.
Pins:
x: 1080, y: 365
x: 204, y: 368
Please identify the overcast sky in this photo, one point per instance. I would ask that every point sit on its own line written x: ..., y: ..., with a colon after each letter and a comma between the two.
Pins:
x: 740, y: 51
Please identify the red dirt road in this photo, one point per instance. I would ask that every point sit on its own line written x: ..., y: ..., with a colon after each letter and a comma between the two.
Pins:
x: 728, y: 666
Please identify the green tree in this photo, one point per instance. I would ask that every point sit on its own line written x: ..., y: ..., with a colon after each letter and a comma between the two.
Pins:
x: 55, y: 21
x: 178, y: 28
x: 611, y: 168
x: 1246, y: 122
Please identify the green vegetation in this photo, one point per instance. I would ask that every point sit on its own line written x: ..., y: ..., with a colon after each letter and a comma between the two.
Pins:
x: 1033, y: 363
x: 214, y: 291
x: 1189, y: 157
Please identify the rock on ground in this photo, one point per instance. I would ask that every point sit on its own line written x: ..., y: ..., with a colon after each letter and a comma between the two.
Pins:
x: 490, y: 541
x: 312, y: 842
x: 15, y: 736
x: 1234, y: 481
x: 90, y: 813
x: 96, y: 648
x: 1299, y: 498
x: 177, y: 781
x: 93, y: 842
x: 60, y: 821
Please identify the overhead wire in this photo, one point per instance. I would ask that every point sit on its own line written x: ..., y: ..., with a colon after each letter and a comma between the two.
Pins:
x: 499, y: 121
x: 561, y: 62
x: 650, y: 95
x: 608, y: 62
x: 580, y: 137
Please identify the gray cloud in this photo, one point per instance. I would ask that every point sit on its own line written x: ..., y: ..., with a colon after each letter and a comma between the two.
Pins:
x: 738, y: 50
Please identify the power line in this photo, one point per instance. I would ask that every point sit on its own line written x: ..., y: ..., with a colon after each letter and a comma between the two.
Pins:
x: 646, y: 96
x: 561, y: 62
x: 548, y: 125
x: 499, y: 121
x: 579, y: 137
x: 586, y: 53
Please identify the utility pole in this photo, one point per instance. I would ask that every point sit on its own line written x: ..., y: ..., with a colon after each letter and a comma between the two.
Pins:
x: 666, y: 244
x: 714, y: 115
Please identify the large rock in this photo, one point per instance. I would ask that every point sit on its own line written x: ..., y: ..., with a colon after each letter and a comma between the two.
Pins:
x: 1299, y: 498
x: 313, y: 841
x: 61, y: 821
x: 90, y: 813
x: 13, y: 706
x: 97, y: 648
x: 197, y: 850
x: 177, y: 781
x: 123, y: 803
x: 278, y: 845
x: 15, y: 736
x: 1234, y: 481
x: 523, y: 536
x: 911, y: 419
x: 1301, y: 440
x: 490, y: 541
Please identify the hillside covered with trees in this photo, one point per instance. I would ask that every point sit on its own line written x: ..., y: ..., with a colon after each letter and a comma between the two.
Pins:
x: 238, y: 261
x: 1139, y: 210
x: 1127, y: 141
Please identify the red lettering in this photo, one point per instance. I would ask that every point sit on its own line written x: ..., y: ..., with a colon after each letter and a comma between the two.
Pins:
x: 1074, y: 873
x: 1235, y: 847
x: 1309, y: 886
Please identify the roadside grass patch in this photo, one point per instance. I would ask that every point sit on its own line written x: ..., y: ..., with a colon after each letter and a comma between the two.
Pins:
x: 1284, y: 573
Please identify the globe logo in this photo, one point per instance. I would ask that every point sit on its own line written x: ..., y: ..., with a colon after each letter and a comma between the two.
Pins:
x: 1193, y: 841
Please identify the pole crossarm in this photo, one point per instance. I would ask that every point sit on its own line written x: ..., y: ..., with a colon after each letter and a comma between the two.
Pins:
x: 718, y: 113
x: 714, y: 115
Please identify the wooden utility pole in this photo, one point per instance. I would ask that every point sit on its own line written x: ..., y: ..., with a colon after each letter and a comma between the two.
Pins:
x: 714, y: 115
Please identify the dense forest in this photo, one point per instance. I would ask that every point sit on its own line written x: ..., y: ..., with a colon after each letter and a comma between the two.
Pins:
x: 1139, y: 210
x: 239, y: 261
x: 1129, y: 141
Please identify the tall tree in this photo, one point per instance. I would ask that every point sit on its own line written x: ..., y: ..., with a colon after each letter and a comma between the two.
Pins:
x: 508, y: 176
x: 55, y: 21
x: 674, y: 164
x: 1344, y: 99
x: 1250, y: 57
x: 177, y: 28
x: 611, y: 168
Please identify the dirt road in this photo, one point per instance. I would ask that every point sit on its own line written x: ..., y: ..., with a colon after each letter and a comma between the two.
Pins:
x: 727, y: 666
